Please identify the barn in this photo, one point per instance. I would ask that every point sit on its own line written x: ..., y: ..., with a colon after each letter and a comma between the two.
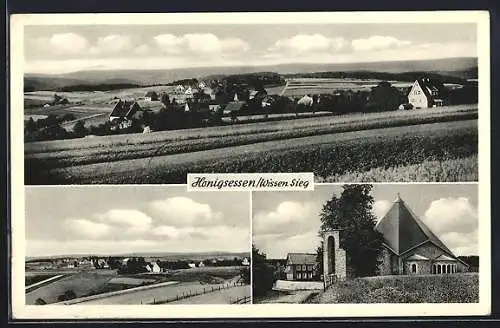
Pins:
x: 411, y: 248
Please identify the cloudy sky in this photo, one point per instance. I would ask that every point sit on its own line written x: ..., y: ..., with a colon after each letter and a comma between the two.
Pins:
x: 115, y: 220
x: 62, y: 49
x: 286, y: 222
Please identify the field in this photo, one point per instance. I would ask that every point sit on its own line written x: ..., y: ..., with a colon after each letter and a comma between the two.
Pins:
x: 297, y: 87
x: 322, y: 145
x: 80, y: 283
x: 183, y: 282
x: 33, y: 279
x: 457, y: 288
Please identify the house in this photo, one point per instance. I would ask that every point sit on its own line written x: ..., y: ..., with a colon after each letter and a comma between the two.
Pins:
x: 151, y: 96
x: 189, y: 93
x: 123, y: 112
x: 300, y: 266
x: 268, y: 101
x: 306, y: 101
x: 257, y: 95
x: 192, y: 265
x: 213, y: 106
x: 201, y: 264
x: 411, y: 248
x: 202, y: 85
x: 245, y: 262
x: 153, y: 267
x: 179, y: 88
x: 426, y: 93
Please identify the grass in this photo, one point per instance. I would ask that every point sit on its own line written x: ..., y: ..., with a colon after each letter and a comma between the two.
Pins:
x: 324, y: 155
x: 462, y: 169
x: 458, y: 288
x: 30, y: 280
x: 80, y: 283
x: 41, y: 157
x: 209, y: 275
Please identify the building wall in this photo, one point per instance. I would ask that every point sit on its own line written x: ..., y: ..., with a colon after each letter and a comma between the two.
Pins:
x: 417, y: 97
x: 428, y: 250
x: 384, y: 267
x: 423, y: 267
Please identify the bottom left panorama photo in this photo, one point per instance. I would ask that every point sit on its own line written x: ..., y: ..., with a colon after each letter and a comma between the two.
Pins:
x: 110, y: 245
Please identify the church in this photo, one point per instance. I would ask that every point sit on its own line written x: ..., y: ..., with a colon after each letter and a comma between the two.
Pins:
x: 411, y: 248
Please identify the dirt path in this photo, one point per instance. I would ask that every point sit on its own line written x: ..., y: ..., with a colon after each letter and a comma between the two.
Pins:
x: 225, y: 296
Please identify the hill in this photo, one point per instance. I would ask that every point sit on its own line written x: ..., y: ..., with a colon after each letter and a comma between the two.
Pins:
x: 464, y: 68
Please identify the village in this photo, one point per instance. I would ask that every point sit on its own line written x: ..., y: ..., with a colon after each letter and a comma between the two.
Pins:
x: 244, y: 98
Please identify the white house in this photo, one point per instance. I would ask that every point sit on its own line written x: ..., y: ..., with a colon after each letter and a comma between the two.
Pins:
x: 153, y: 267
x: 189, y: 92
x: 306, y: 101
x: 245, y: 261
x: 201, y: 264
x: 425, y: 93
x: 192, y: 265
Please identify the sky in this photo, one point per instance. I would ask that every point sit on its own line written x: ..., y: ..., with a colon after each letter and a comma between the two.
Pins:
x: 64, y: 49
x: 123, y: 219
x: 285, y: 222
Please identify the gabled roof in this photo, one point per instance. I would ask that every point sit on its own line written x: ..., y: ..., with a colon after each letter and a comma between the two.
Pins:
x: 417, y: 257
x: 428, y: 86
x: 151, y: 94
x: 306, y: 100
x: 444, y: 257
x: 301, y: 258
x: 125, y: 108
x: 403, y: 231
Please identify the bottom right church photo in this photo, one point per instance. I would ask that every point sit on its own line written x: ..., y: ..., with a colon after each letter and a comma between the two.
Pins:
x: 362, y: 243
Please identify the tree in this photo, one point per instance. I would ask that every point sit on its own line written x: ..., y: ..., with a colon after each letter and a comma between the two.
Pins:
x: 385, y: 97
x: 319, y: 260
x: 165, y: 100
x: 79, y: 129
x: 352, y: 213
x: 262, y: 273
x: 31, y: 125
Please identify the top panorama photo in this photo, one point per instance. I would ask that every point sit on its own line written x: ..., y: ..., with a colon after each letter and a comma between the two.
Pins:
x: 144, y: 104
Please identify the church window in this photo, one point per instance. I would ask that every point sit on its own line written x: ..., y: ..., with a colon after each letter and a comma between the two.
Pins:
x: 413, y: 268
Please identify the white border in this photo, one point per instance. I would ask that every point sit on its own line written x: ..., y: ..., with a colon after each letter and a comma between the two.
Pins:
x: 21, y: 311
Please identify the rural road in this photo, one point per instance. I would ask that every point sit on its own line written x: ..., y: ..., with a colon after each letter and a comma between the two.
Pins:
x: 137, y: 170
x: 295, y: 297
x: 225, y: 296
x: 148, y: 296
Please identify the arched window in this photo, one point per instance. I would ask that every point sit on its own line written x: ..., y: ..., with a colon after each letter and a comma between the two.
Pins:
x: 448, y: 268
x: 439, y: 269
x: 414, y: 268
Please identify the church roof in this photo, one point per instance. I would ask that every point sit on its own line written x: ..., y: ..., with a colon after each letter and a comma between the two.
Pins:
x: 403, y: 231
x: 417, y: 257
x: 444, y: 257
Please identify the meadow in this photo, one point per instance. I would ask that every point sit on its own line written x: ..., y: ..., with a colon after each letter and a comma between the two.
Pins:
x: 42, y: 158
x: 326, y: 155
x: 457, y: 288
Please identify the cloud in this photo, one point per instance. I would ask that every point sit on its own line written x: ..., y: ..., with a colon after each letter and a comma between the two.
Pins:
x: 86, y: 229
x: 378, y: 42
x: 451, y: 215
x: 306, y: 242
x: 455, y: 221
x: 142, y: 49
x: 305, y: 43
x: 114, y: 43
x: 380, y: 208
x: 128, y: 221
x: 183, y: 211
x: 287, y: 219
x: 199, y: 43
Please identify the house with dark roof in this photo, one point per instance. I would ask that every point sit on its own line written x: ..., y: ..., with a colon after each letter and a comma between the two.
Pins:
x: 122, y: 114
x: 151, y: 96
x: 300, y: 266
x: 426, y: 93
x: 411, y: 248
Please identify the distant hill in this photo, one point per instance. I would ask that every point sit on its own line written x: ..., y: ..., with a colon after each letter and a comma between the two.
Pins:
x: 465, y: 68
x: 165, y: 255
